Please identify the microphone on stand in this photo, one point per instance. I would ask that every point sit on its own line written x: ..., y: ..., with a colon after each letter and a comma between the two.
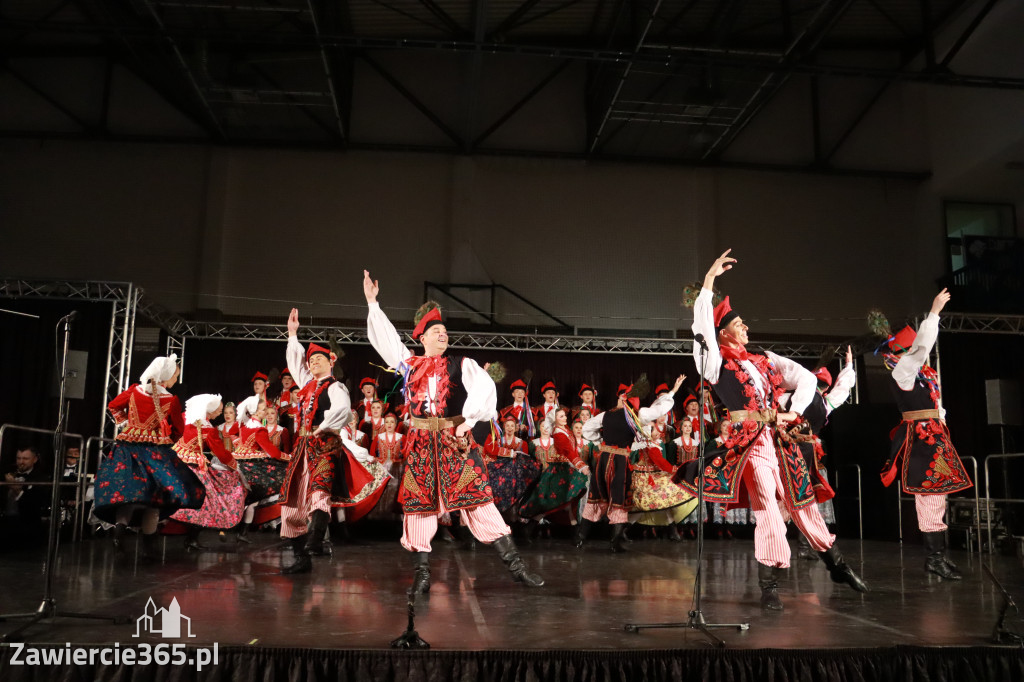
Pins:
x: 699, y: 338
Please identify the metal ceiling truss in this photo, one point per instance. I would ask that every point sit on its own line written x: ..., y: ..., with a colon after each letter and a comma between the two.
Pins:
x: 124, y: 299
x: 128, y: 302
x: 623, y: 77
x: 651, y: 54
x: 982, y: 324
x: 537, y: 342
x: 170, y: 53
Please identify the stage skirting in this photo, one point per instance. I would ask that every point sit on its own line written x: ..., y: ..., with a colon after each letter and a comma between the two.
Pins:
x: 251, y: 664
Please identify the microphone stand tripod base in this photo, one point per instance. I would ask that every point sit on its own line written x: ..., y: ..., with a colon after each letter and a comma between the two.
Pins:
x: 695, y: 622
x: 48, y: 611
x: 410, y: 639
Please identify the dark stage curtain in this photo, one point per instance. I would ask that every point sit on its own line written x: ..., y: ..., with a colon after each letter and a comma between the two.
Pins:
x: 247, y: 664
x: 28, y: 367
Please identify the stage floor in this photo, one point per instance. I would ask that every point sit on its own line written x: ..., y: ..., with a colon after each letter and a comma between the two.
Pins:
x: 356, y: 600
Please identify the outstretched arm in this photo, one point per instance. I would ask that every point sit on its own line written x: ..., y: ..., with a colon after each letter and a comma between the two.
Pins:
x: 662, y: 406
x: 296, y: 355
x: 704, y: 319
x: 383, y: 336
x: 721, y: 265
x: 914, y: 359
x: 845, y: 381
x: 371, y: 287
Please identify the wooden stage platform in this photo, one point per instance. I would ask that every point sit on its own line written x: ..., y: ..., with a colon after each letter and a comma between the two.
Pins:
x: 353, y: 604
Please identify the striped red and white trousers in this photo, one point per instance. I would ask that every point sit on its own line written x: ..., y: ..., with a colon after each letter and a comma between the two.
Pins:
x: 593, y: 511
x: 301, y: 503
x: 484, y: 522
x: 930, y: 510
x: 765, y: 489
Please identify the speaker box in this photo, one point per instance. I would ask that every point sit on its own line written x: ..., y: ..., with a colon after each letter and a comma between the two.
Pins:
x: 1002, y: 398
x: 74, y: 389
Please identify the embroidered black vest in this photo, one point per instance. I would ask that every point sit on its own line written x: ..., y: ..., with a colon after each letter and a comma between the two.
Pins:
x: 314, y: 404
x: 615, y: 429
x: 918, y: 398
x: 736, y: 389
x: 816, y: 413
x: 456, y: 394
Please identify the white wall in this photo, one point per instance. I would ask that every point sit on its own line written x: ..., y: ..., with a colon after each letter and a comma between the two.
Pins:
x: 604, y: 246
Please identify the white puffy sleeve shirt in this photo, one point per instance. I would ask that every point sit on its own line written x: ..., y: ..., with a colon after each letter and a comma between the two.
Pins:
x: 481, y: 393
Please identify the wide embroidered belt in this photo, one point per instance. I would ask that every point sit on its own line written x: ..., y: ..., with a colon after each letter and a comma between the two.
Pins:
x: 763, y: 416
x: 436, y: 423
x: 917, y: 415
x: 611, y: 449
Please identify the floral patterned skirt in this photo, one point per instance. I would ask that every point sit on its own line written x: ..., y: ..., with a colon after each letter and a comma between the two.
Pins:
x: 510, y: 478
x: 146, y: 474
x: 264, y: 477
x: 224, y: 504
x: 371, y: 493
x: 388, y: 508
x: 559, y: 486
x: 664, y: 517
x: 654, y: 491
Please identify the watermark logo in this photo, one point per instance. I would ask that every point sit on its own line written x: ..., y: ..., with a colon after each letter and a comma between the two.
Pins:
x: 169, y: 623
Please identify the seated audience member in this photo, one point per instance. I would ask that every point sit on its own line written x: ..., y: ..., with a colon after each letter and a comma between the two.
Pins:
x: 24, y: 502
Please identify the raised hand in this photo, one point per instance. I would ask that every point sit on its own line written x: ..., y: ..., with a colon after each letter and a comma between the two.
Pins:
x: 849, y: 356
x: 940, y: 301
x: 293, y: 322
x: 679, y: 382
x: 370, y: 287
x: 718, y: 268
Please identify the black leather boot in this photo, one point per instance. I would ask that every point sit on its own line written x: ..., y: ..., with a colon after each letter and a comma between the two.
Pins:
x: 466, y: 538
x: 421, y: 573
x: 192, y: 540
x: 840, y: 571
x: 618, y: 537
x: 317, y: 530
x: 768, y: 581
x: 444, y: 534
x: 582, y: 531
x: 340, y: 533
x: 514, y: 563
x: 119, y: 537
x: 673, y: 534
x: 530, y: 531
x: 803, y: 548
x: 625, y: 534
x: 243, y: 534
x: 150, y: 551
x: 935, y: 561
x: 303, y: 562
